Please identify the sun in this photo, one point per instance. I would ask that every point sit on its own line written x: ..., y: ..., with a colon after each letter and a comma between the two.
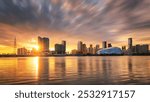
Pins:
x: 36, y: 47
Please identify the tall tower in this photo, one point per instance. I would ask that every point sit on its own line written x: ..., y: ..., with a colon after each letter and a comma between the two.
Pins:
x: 80, y: 49
x: 40, y: 43
x: 15, y: 45
x: 129, y: 43
x: 104, y: 44
x: 46, y: 44
x: 64, y: 46
x: 130, y: 48
x: 43, y: 44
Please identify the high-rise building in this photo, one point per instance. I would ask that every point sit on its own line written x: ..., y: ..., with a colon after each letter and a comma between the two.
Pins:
x: 59, y: 48
x: 91, y: 50
x: 84, y: 49
x: 97, y: 47
x: 40, y: 43
x: 43, y: 44
x: 80, y: 49
x: 46, y: 44
x: 141, y: 49
x: 64, y: 47
x: 104, y: 44
x: 130, y: 46
x: 129, y: 43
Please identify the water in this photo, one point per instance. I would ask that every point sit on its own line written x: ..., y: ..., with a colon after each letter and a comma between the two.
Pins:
x: 76, y: 70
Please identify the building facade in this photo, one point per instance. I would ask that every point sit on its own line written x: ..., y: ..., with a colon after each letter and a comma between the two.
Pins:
x: 43, y: 44
x: 59, y: 49
x: 64, y: 47
x: 104, y: 44
x: 79, y: 47
x: 22, y: 51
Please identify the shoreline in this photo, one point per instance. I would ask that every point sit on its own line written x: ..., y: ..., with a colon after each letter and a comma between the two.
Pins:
x: 67, y: 55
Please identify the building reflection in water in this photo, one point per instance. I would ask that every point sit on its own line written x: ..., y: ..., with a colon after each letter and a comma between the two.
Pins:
x: 106, y: 67
x: 7, y: 70
x: 98, y: 69
x: 81, y: 67
x: 43, y: 70
x: 60, y: 68
x: 130, y: 69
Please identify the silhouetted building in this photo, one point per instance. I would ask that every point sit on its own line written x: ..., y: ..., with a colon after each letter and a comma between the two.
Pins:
x: 124, y: 48
x: 109, y: 45
x: 43, y: 44
x: 84, y: 49
x: 46, y: 44
x: 64, y: 47
x: 104, y: 44
x: 141, y: 49
x: 59, y: 48
x: 129, y: 43
x: 96, y: 48
x: 80, y: 49
x: 40, y: 43
x: 90, y: 49
x: 22, y: 51
x: 130, y: 46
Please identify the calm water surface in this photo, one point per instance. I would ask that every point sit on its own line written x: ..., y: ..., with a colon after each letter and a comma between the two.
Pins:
x: 76, y: 70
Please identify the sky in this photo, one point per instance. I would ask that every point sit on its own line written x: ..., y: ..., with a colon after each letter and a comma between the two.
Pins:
x: 90, y: 21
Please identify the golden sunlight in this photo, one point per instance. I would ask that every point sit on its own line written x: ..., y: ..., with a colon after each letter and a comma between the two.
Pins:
x: 36, y: 64
x: 36, y: 47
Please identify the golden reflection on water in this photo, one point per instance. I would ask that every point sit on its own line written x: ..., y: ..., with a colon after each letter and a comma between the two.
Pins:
x: 75, y: 70
x: 36, y: 64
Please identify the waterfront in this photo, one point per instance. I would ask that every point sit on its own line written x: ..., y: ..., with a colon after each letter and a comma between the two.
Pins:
x: 73, y: 70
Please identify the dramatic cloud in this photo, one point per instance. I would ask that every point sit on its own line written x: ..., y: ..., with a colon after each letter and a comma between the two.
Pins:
x: 94, y: 20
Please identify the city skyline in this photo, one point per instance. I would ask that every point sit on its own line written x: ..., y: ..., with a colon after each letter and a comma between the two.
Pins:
x: 82, y: 49
x: 103, y: 44
x: 90, y: 21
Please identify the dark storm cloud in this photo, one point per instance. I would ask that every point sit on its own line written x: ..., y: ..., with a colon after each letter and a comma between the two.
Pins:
x: 99, y: 17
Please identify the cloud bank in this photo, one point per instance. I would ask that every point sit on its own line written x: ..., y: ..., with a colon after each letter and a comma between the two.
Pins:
x: 99, y: 19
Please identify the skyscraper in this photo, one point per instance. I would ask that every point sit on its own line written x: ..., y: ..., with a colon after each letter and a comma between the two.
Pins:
x: 84, y: 49
x: 80, y: 49
x: 43, y: 44
x: 40, y: 43
x: 104, y: 44
x: 130, y: 47
x: 64, y: 47
x: 129, y: 43
x: 59, y: 48
x: 96, y: 48
x: 91, y: 50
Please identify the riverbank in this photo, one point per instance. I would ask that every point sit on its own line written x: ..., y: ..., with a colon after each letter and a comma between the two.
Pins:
x: 66, y: 55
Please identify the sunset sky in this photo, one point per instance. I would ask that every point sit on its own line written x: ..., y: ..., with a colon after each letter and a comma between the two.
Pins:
x: 90, y: 21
